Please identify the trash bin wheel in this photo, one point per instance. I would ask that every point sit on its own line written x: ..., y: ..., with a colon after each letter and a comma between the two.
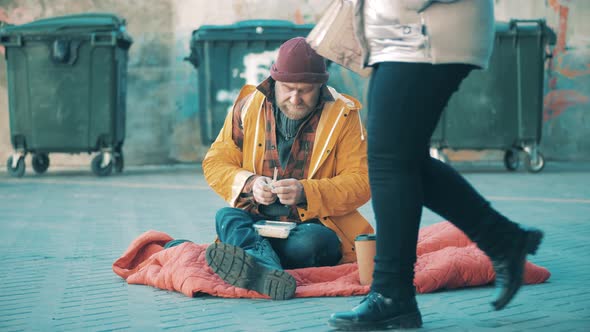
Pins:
x: 119, y: 162
x: 511, y: 160
x: 17, y: 171
x: 97, y: 167
x: 40, y: 162
x: 535, y: 166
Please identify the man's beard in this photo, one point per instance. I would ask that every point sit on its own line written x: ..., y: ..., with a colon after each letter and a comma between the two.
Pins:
x: 295, y: 112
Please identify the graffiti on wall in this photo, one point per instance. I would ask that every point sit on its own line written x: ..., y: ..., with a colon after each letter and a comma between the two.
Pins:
x: 565, y: 70
x: 256, y: 69
x: 257, y: 66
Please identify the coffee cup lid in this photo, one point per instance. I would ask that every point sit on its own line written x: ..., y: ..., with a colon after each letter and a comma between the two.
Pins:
x: 366, y: 237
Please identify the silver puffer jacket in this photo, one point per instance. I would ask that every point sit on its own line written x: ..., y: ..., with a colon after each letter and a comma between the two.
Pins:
x: 430, y: 31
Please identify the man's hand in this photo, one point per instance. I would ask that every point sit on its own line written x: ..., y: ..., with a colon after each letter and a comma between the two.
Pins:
x: 289, y: 191
x: 262, y: 191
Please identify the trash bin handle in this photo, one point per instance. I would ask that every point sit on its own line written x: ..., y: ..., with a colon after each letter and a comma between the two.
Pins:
x: 515, y: 22
x: 96, y: 39
x: 8, y: 41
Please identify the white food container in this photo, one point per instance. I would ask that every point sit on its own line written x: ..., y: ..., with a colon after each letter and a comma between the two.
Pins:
x: 277, y: 229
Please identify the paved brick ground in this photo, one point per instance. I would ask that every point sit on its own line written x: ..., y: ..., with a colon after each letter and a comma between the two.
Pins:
x: 60, y: 233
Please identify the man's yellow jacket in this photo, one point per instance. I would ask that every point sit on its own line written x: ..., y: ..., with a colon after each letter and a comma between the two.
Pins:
x: 337, y: 183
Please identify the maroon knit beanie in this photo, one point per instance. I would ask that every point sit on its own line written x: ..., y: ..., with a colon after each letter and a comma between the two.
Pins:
x: 297, y: 62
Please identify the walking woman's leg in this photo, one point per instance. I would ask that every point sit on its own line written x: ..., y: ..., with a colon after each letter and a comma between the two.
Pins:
x: 396, y: 150
x: 405, y: 103
x: 448, y: 194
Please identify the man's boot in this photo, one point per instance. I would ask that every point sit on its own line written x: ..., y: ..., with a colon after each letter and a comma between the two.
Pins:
x: 507, y: 245
x: 257, y: 269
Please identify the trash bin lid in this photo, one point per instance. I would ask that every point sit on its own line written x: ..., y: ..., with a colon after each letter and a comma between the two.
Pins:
x: 252, y: 30
x: 502, y: 27
x: 526, y: 27
x: 89, y: 22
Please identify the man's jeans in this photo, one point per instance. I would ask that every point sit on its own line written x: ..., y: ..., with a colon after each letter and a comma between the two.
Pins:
x: 309, y: 244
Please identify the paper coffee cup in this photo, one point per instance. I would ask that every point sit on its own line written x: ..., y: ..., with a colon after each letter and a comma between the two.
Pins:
x: 365, y: 253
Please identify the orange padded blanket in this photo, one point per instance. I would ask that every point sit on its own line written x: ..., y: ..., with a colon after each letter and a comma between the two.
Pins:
x: 446, y: 259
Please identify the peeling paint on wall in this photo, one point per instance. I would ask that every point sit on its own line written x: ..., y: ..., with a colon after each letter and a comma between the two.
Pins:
x: 558, y: 101
x: 563, y: 12
x: 567, y: 68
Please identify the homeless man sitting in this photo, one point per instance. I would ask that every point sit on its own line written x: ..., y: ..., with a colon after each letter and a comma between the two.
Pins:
x: 313, y: 137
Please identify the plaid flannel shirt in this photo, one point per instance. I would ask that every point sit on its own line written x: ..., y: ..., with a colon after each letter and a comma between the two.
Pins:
x: 299, y: 159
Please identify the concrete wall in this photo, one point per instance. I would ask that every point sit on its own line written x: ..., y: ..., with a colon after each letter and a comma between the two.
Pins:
x: 162, y: 116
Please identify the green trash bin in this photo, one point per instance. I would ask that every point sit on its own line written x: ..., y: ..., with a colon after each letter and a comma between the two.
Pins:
x: 67, y: 79
x: 230, y: 56
x: 502, y: 107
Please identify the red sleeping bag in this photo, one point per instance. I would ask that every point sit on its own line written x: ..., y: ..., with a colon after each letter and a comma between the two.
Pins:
x: 446, y: 259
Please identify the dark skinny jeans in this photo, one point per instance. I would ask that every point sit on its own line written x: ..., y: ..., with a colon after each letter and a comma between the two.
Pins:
x: 405, y: 102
